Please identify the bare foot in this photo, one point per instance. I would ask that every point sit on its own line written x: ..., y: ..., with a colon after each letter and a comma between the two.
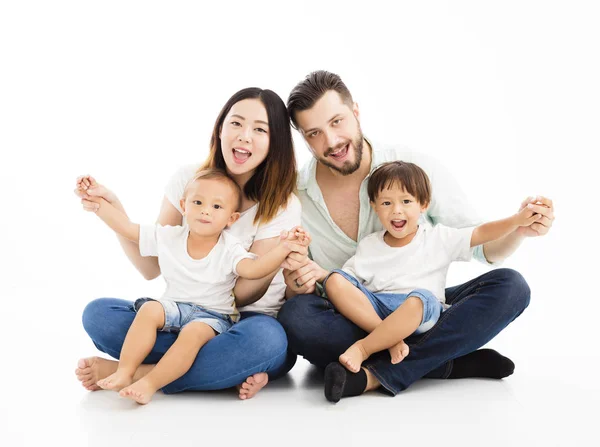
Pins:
x: 353, y: 357
x: 252, y: 385
x: 141, y: 391
x: 116, y: 381
x: 92, y: 369
x: 398, y: 352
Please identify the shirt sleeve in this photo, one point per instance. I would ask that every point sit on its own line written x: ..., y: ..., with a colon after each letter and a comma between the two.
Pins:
x: 286, y: 219
x: 148, y: 240
x: 457, y: 242
x: 238, y: 252
x: 349, y: 266
x: 176, y: 185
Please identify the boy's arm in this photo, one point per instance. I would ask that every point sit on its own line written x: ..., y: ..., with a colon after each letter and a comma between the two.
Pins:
x: 263, y: 265
x: 491, y: 231
x: 118, y: 221
x: 272, y: 260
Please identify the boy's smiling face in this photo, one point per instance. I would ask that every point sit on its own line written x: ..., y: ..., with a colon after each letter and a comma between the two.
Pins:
x: 398, y: 211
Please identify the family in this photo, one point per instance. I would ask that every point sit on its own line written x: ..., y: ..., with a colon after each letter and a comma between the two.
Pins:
x: 344, y: 262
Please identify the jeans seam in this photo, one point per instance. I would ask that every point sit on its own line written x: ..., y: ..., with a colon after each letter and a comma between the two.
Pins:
x: 381, y: 380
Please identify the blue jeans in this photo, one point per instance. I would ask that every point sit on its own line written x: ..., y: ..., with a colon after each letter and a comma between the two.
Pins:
x: 480, y: 309
x: 385, y: 304
x: 257, y: 343
x: 179, y: 314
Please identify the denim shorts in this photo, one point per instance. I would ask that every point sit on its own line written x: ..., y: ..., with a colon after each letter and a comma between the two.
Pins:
x: 178, y: 314
x: 386, y: 303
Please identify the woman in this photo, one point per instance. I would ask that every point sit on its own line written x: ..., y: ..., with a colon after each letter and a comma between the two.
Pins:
x: 252, y: 141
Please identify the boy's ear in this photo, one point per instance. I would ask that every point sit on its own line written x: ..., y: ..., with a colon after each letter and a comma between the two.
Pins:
x: 182, y: 205
x: 424, y: 207
x: 234, y: 216
x: 372, y: 205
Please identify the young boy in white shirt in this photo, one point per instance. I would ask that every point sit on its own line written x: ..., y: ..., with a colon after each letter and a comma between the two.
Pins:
x: 200, y: 263
x: 398, y: 275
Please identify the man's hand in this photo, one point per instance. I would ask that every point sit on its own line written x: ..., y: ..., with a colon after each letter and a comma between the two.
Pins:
x: 542, y: 206
x: 304, y: 276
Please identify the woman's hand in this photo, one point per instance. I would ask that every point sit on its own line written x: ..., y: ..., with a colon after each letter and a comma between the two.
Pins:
x: 88, y: 189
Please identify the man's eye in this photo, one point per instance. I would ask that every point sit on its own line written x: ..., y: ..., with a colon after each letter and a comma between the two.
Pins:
x: 337, y: 121
x: 313, y: 134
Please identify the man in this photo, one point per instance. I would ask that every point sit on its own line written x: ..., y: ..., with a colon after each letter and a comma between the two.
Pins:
x: 333, y: 190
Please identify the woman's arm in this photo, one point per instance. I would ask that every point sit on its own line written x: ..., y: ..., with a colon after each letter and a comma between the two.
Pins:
x: 169, y: 215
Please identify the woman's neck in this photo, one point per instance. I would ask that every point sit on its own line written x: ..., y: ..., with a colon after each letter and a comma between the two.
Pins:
x: 241, y: 180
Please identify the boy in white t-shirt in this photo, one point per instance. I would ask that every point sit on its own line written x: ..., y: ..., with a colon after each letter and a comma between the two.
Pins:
x: 398, y: 275
x: 200, y: 264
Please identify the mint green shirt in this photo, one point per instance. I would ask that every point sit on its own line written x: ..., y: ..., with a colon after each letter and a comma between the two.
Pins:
x: 331, y: 247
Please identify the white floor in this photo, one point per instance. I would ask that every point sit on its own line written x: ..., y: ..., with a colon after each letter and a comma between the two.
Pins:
x: 551, y: 399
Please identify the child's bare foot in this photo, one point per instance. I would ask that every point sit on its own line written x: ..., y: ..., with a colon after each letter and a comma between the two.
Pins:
x: 141, y: 391
x: 252, y: 385
x: 398, y: 352
x: 92, y: 369
x: 116, y: 381
x: 353, y: 357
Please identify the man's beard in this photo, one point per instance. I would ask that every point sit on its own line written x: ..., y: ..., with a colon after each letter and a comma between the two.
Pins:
x: 348, y: 167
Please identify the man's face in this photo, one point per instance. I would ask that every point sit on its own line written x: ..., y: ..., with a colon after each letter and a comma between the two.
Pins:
x: 332, y: 131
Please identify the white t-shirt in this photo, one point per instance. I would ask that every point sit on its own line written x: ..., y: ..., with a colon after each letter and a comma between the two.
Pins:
x: 207, y: 281
x: 422, y: 264
x: 247, y: 232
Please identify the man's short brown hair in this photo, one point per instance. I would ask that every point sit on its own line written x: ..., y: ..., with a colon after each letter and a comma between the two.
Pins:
x: 312, y: 88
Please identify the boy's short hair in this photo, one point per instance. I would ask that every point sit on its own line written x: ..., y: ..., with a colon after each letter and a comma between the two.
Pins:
x: 211, y: 173
x: 408, y: 175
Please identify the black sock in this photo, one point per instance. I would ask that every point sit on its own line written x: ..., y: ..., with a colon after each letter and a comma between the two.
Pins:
x: 339, y: 382
x: 482, y: 363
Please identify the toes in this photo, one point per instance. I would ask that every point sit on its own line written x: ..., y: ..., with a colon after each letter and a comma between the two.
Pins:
x: 250, y: 380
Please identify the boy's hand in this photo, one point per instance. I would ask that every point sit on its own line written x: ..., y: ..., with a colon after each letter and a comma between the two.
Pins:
x: 544, y: 207
x: 298, y: 235
x: 525, y: 217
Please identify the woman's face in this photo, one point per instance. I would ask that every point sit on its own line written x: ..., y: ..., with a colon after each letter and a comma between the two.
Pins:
x: 245, y: 137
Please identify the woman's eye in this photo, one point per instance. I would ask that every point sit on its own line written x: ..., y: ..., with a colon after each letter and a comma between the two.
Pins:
x: 235, y: 123
x: 261, y: 130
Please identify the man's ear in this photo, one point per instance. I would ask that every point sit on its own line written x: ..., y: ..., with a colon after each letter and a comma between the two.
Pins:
x: 355, y: 111
x: 234, y: 216
x: 182, y: 205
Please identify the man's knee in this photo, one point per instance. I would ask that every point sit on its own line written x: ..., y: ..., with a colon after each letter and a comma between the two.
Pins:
x: 518, y: 293
x: 295, y: 311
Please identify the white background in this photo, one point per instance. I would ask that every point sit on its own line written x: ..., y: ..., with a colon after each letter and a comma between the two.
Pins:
x: 506, y: 94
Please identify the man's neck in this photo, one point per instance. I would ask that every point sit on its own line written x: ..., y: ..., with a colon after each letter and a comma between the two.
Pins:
x: 328, y: 175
